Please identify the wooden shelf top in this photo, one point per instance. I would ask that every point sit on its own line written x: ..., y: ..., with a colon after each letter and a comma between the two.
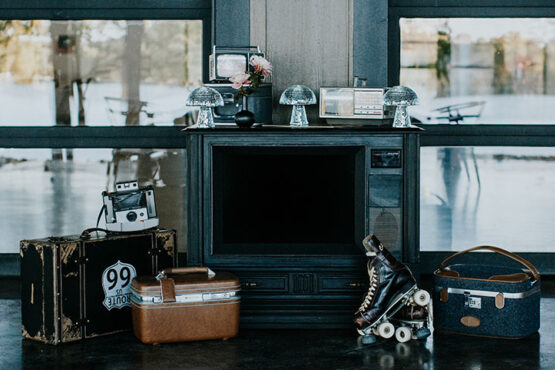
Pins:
x: 232, y: 128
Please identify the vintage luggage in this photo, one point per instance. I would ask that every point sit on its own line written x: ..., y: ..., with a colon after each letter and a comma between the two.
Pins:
x: 485, y: 300
x: 185, y: 304
x: 77, y: 287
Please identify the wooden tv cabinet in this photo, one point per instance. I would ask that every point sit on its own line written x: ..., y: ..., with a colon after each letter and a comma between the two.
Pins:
x: 305, y: 289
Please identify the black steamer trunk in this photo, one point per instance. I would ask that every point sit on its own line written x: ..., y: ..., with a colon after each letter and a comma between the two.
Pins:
x: 74, y: 288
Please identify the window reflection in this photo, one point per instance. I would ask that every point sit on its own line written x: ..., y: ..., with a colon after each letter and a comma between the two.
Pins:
x: 98, y: 72
x: 51, y: 197
x: 499, y: 196
x: 480, y: 70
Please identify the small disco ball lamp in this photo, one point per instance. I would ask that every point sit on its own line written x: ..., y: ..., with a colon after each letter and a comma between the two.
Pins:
x: 206, y: 98
x: 400, y: 97
x: 298, y: 96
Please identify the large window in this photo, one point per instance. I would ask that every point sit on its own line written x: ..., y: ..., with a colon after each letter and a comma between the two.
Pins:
x: 87, y: 89
x: 480, y: 70
x: 485, y: 76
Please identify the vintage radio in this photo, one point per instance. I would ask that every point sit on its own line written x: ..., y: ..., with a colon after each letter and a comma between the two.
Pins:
x: 225, y: 61
x: 76, y: 287
x: 260, y: 103
x: 354, y: 105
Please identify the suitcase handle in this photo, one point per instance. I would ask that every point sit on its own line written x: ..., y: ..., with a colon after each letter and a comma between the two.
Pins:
x: 86, y: 234
x: 503, y: 252
x: 185, y: 270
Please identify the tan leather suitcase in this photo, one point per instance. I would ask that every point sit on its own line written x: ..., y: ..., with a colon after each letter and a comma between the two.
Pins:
x: 185, y: 304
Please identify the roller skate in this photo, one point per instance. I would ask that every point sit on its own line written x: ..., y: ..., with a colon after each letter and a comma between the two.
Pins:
x: 392, y: 286
x: 412, y: 321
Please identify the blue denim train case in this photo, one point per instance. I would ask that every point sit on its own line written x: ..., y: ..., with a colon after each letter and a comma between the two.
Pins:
x: 487, y: 300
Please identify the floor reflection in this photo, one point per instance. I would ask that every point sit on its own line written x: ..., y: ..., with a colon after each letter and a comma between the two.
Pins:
x: 387, y: 355
x: 465, y: 352
x: 278, y: 349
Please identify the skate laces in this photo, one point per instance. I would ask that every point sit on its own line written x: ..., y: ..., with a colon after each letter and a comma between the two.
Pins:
x: 373, y: 286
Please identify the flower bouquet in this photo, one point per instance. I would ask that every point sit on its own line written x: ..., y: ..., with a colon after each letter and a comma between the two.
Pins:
x: 246, y: 83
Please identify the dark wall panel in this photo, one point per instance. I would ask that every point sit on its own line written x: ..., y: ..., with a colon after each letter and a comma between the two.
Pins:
x: 370, y: 41
x: 230, y: 22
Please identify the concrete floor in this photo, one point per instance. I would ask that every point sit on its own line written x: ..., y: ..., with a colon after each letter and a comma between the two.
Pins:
x: 273, y: 349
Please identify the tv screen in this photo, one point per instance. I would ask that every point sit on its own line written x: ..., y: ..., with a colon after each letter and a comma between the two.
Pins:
x: 284, y: 200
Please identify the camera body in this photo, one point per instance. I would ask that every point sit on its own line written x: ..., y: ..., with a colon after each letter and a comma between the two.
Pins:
x: 130, y: 208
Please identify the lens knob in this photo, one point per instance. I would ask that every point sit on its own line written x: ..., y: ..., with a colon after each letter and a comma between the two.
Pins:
x: 131, y: 216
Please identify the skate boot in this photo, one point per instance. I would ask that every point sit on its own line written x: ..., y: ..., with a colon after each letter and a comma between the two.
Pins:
x: 411, y: 322
x: 391, y: 286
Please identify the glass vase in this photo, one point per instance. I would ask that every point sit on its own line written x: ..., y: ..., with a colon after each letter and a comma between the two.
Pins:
x: 244, y: 118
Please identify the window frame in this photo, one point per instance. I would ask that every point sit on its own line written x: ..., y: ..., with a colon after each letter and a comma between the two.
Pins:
x: 443, y: 135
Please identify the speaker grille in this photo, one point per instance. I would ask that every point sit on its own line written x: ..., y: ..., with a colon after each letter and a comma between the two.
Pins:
x: 386, y: 225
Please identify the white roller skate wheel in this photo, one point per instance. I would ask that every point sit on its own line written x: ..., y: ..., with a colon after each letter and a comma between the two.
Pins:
x: 403, y: 334
x: 421, y: 298
x: 386, y: 330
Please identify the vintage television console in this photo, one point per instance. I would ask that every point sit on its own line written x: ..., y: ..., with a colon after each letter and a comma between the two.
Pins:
x: 286, y: 210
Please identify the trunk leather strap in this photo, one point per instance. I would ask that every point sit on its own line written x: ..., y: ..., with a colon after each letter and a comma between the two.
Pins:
x: 503, y: 252
x: 167, y: 286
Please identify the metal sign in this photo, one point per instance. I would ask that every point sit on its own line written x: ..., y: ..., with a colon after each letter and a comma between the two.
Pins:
x: 116, y: 282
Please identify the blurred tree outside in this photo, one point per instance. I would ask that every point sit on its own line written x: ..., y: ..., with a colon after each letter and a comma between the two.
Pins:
x: 443, y: 60
x: 171, y: 51
x: 502, y: 83
x: 24, y: 51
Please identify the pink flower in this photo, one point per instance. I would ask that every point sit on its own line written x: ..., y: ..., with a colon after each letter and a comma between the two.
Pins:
x: 239, y: 80
x: 261, y: 65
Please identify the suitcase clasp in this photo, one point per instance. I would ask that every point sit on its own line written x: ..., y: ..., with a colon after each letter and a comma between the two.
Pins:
x: 472, y: 302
